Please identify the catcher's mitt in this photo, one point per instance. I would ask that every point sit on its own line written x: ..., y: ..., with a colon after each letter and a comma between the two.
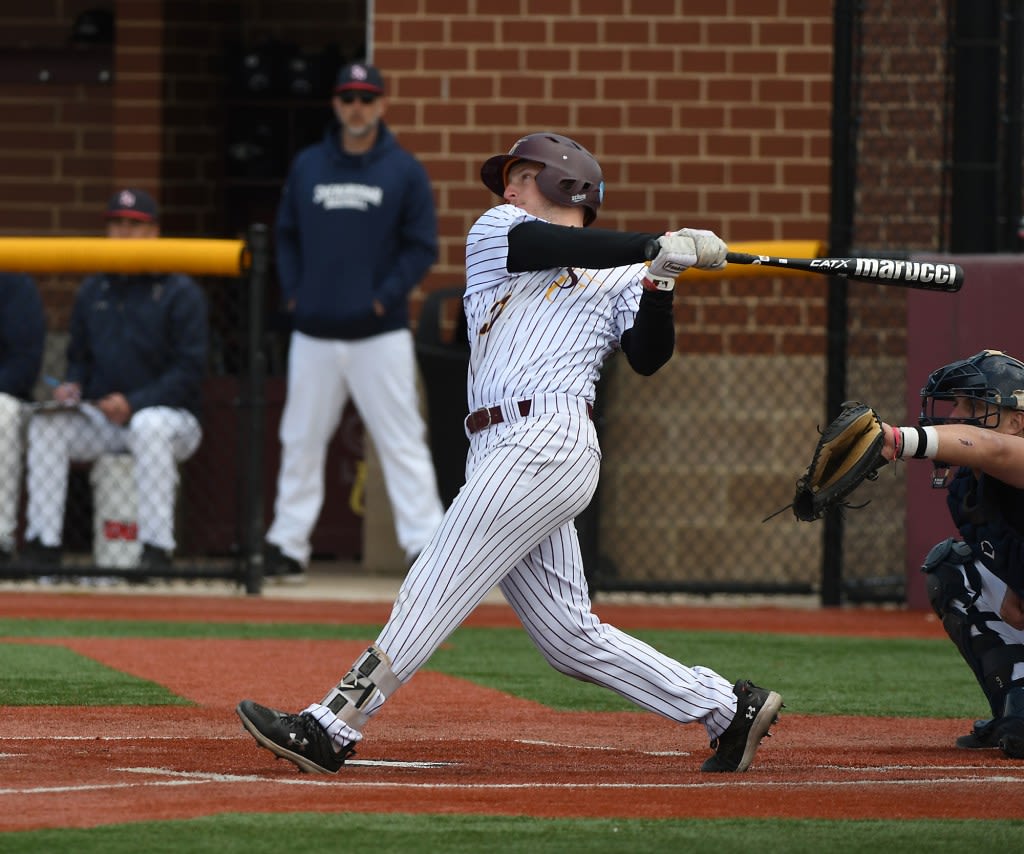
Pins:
x: 848, y: 453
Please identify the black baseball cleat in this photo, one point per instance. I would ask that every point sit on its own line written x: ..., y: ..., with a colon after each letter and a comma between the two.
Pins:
x: 984, y: 735
x: 1012, y: 744
x: 756, y: 710
x: 297, y: 738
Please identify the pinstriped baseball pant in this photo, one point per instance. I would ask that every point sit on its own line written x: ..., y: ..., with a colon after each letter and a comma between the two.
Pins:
x: 512, y: 525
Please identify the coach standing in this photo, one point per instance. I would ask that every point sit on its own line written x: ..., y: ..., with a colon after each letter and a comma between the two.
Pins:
x: 356, y: 231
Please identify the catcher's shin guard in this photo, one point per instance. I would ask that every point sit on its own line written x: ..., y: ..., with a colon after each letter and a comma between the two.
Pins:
x: 953, y: 586
x: 371, y: 673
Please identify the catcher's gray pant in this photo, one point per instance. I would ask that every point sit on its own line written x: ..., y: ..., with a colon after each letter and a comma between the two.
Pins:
x: 158, y: 437
x: 380, y: 374
x: 13, y: 414
x: 512, y: 524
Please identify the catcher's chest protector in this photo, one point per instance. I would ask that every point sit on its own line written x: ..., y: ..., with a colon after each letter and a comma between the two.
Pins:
x: 978, y: 507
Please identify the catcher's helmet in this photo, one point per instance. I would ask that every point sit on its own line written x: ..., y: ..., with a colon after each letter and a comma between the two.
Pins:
x: 990, y: 377
x: 571, y: 176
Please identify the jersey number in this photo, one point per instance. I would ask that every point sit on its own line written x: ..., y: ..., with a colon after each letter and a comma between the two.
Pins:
x: 494, y: 314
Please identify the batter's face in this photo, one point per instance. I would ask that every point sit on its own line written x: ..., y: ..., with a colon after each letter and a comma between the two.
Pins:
x: 522, y: 191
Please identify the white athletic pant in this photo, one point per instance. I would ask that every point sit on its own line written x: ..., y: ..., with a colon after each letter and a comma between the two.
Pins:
x: 158, y: 437
x: 512, y: 523
x: 12, y: 450
x: 380, y: 375
x: 990, y: 598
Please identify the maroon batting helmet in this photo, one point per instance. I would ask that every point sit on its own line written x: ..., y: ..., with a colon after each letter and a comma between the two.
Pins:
x: 571, y: 176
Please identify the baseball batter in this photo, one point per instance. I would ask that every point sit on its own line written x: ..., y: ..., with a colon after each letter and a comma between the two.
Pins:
x: 547, y: 301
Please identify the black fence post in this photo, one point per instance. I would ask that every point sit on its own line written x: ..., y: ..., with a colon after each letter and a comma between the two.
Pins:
x: 254, y: 407
x: 844, y: 184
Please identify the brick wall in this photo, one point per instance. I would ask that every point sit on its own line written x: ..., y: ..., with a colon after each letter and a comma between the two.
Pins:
x: 699, y: 118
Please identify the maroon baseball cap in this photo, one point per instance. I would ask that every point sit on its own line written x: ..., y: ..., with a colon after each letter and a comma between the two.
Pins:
x: 358, y: 77
x: 133, y: 204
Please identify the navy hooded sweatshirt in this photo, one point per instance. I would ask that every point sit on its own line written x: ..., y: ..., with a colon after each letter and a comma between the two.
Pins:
x: 22, y: 333
x: 351, y: 229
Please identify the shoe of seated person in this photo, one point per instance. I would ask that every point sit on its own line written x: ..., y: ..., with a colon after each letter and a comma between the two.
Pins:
x: 154, y: 559
x: 36, y: 555
x: 297, y: 738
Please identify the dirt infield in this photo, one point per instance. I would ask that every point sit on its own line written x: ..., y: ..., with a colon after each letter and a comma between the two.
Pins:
x: 445, y: 745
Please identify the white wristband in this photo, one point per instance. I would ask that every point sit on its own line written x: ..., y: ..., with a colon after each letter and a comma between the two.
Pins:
x: 919, y: 442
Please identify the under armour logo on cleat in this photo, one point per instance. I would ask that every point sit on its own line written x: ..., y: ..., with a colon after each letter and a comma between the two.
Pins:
x: 750, y: 713
x: 293, y: 740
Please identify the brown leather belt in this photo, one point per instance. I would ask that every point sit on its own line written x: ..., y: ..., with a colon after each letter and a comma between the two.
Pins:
x: 484, y: 418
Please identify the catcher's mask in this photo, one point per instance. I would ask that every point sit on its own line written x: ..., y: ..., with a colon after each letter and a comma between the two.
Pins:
x: 994, y: 380
x: 571, y: 176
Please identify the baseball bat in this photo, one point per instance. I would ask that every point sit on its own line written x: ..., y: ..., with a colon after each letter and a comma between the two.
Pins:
x: 920, y: 275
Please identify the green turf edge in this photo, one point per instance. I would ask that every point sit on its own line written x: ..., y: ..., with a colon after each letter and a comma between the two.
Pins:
x: 817, y: 675
x: 49, y: 675
x: 454, y: 834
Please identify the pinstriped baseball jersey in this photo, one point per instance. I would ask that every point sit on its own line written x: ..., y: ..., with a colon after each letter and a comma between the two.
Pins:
x: 515, y: 317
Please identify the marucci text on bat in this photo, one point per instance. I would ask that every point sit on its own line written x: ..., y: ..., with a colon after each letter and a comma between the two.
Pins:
x: 876, y: 268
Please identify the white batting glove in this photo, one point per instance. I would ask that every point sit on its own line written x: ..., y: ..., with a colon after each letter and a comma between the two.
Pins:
x: 709, y: 248
x: 676, y: 254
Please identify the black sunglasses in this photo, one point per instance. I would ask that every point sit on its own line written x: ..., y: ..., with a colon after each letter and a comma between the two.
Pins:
x: 351, y: 97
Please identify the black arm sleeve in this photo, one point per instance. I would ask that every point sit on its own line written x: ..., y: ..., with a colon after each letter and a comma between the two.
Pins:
x: 651, y: 340
x: 538, y: 245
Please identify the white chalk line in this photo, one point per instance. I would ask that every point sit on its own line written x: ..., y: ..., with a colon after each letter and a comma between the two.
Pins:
x: 187, y: 778
x: 538, y: 743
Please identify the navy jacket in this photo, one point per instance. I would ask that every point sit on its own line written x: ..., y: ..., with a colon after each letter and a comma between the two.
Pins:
x: 351, y: 229
x: 142, y: 336
x: 22, y: 334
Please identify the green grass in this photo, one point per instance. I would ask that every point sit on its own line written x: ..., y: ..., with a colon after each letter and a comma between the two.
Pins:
x: 38, y: 675
x: 817, y: 675
x: 456, y: 834
x: 28, y: 628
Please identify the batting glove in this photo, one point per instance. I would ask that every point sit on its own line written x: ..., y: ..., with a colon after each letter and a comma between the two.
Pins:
x: 676, y: 254
x: 709, y: 248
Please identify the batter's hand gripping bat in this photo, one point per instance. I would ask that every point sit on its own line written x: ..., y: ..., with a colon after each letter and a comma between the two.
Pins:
x: 920, y: 275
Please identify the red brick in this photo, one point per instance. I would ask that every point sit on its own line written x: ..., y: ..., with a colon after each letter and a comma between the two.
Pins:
x: 421, y: 30
x: 712, y: 61
x: 803, y: 62
x: 756, y: 62
x: 752, y: 344
x: 473, y: 30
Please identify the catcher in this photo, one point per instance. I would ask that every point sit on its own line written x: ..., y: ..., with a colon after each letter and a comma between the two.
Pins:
x: 972, y: 418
